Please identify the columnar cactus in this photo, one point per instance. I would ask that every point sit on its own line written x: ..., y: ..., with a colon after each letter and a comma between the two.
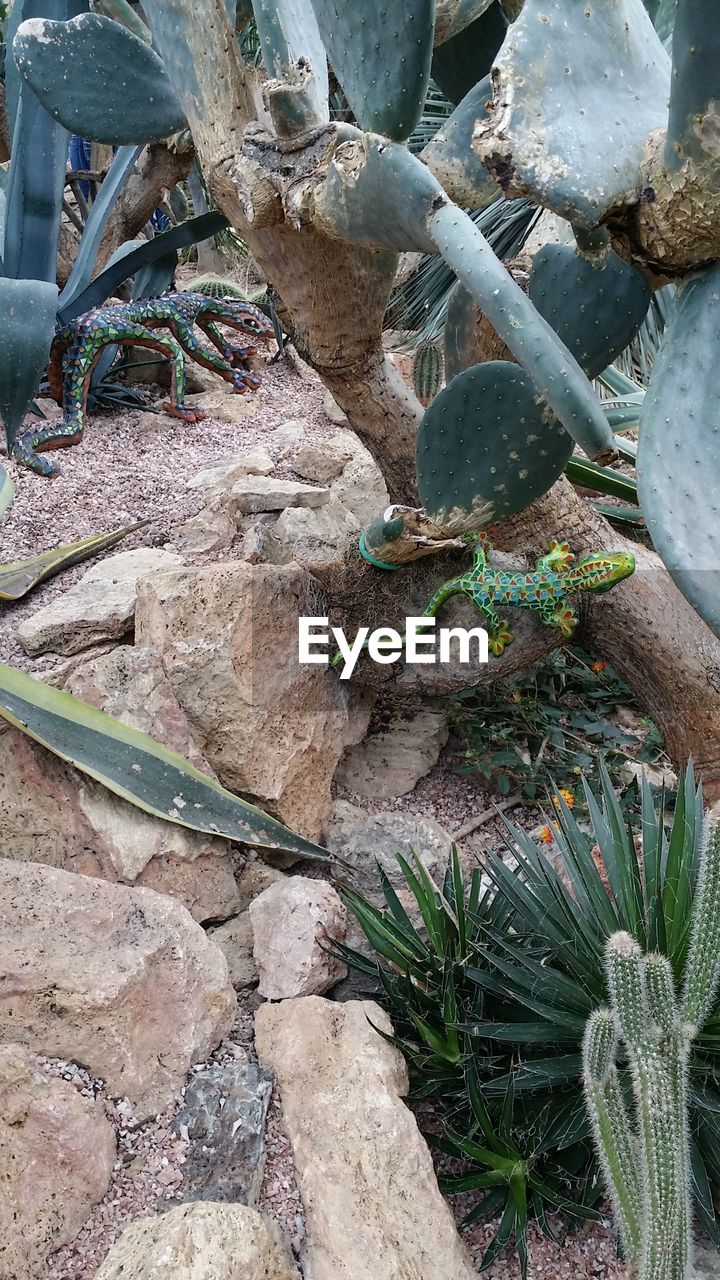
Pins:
x: 646, y: 1164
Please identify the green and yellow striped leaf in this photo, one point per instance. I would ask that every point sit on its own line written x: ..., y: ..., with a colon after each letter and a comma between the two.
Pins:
x: 19, y: 577
x: 137, y: 768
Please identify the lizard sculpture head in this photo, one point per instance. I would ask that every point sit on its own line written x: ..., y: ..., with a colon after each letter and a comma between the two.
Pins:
x: 601, y: 571
x: 237, y: 315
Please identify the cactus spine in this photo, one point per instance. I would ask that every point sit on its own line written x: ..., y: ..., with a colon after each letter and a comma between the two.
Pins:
x: 646, y: 1165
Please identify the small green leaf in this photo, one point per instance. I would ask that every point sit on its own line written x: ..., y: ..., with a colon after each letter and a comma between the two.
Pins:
x: 21, y: 576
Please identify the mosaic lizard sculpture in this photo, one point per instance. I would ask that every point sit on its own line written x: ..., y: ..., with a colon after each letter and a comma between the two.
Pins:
x: 557, y: 575
x: 77, y: 348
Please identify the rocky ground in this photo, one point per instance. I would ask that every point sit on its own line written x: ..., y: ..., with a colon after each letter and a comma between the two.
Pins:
x: 333, y: 1157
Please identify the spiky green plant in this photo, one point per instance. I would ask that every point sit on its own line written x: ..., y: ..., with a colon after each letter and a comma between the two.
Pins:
x: 646, y: 1158
x: 493, y: 981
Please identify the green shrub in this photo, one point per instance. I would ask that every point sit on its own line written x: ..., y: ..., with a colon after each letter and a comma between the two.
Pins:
x: 490, y: 983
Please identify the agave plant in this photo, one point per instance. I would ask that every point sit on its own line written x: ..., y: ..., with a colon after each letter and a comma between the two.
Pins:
x: 30, y: 214
x: 490, y: 983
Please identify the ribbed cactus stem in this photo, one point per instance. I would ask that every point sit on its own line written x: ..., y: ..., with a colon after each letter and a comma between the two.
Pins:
x: 616, y: 1144
x: 626, y: 980
x: 703, y: 964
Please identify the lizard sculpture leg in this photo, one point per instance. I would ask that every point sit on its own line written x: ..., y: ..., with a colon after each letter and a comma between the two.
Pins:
x: 559, y: 614
x: 241, y: 377
x: 78, y: 364
x: 557, y: 559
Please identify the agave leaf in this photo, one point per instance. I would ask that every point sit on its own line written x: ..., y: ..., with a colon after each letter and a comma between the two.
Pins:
x: 126, y: 265
x: 20, y: 577
x: 27, y: 324
x: 602, y: 479
x: 121, y: 167
x: 135, y: 767
x: 7, y: 490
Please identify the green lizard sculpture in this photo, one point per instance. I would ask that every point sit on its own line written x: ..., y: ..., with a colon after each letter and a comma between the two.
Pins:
x: 77, y: 347
x: 557, y: 575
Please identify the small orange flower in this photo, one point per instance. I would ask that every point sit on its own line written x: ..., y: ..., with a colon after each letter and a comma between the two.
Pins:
x: 567, y: 796
x: 598, y: 665
x: 547, y: 834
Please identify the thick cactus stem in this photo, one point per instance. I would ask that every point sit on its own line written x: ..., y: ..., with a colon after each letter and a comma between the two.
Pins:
x: 702, y: 972
x: 612, y: 1128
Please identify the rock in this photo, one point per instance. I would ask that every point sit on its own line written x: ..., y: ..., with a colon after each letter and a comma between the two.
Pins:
x: 223, y: 405
x: 56, y: 1158
x: 286, y: 438
x: 333, y: 411
x: 706, y: 1260
x: 391, y: 762
x: 292, y: 922
x: 361, y: 487
x: 349, y: 468
x: 314, y: 537
x: 324, y: 460
x: 264, y: 493
x: 99, y: 607
x: 120, y: 980
x: 223, y: 1116
x: 255, y: 876
x: 255, y: 462
x: 201, y: 1242
x: 364, y: 840
x: 235, y: 940
x: 272, y: 729
x: 372, y: 1203
x: 51, y: 813
x: 214, y: 528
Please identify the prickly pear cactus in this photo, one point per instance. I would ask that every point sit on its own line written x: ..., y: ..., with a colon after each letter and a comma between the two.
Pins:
x: 594, y: 301
x: 487, y: 447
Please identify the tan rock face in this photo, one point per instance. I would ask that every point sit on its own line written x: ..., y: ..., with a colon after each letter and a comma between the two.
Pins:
x: 372, y: 1203
x: 235, y: 940
x: 51, y: 813
x: 201, y: 1241
x: 99, y: 607
x: 392, y: 762
x: 56, y: 1157
x: 228, y: 640
x: 121, y: 980
x: 292, y: 921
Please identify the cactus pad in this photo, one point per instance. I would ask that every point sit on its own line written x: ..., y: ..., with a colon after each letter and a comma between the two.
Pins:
x: 98, y: 79
x: 450, y: 157
x: 678, y: 462
x: 486, y: 446
x: 380, y: 51
x: 578, y: 89
x: 289, y: 36
x: 595, y: 302
x: 458, y: 63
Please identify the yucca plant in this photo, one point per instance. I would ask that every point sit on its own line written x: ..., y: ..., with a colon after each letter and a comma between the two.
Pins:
x: 490, y: 985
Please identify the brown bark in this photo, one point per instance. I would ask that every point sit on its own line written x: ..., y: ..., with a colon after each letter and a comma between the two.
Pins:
x: 159, y: 170
x: 335, y: 295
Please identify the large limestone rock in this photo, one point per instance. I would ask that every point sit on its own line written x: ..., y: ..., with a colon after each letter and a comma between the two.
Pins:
x: 272, y: 729
x: 363, y: 840
x: 99, y: 607
x: 254, y: 462
x: 56, y: 1157
x: 201, y: 1242
x: 121, y: 980
x: 392, y: 761
x: 372, y: 1203
x: 314, y: 537
x: 251, y: 494
x: 293, y: 922
x: 349, y: 469
x: 51, y: 813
